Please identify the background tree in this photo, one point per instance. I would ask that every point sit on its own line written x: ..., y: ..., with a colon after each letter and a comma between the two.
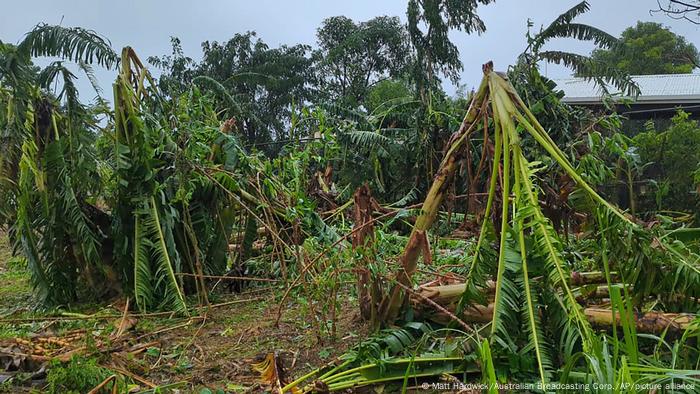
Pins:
x: 429, y: 23
x: 179, y: 69
x: 435, y: 56
x: 255, y: 84
x: 673, y: 157
x: 650, y: 48
x: 353, y: 57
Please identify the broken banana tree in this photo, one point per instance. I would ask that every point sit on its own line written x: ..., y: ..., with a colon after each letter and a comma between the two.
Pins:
x: 418, y: 242
x: 600, y: 316
x: 527, y: 244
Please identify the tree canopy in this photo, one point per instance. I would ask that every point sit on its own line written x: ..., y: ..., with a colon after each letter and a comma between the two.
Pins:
x: 355, y: 56
x: 650, y: 48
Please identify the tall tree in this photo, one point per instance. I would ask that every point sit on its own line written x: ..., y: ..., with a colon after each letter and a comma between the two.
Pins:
x: 429, y: 23
x: 353, y: 57
x: 650, y: 48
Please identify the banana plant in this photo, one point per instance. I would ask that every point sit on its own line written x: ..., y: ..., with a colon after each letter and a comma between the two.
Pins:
x: 48, y: 174
x: 143, y: 211
x: 527, y: 244
x: 525, y: 229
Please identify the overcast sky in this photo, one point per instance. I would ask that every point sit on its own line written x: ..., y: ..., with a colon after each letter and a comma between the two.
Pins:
x: 147, y: 25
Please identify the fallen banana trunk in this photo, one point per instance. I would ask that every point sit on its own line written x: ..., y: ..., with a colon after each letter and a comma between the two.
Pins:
x: 583, y: 278
x: 589, y: 288
x: 649, y: 322
x: 593, y: 291
x: 448, y: 294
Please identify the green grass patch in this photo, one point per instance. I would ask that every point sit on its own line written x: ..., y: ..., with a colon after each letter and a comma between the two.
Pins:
x: 80, y: 375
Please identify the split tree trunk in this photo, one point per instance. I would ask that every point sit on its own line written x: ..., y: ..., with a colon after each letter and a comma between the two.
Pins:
x: 418, y: 241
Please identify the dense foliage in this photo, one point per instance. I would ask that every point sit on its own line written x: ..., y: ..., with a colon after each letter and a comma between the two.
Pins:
x: 650, y: 48
x: 670, y: 162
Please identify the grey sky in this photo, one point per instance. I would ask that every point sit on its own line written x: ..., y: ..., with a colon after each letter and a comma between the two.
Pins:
x: 147, y: 25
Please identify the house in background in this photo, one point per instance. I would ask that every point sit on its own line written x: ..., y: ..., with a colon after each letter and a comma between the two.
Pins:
x: 661, y: 97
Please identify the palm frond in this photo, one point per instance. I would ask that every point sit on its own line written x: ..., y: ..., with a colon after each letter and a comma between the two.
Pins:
x: 585, y: 32
x: 558, y: 27
x: 548, y: 247
x: 410, y: 197
x: 143, y: 275
x: 505, y: 323
x: 24, y: 224
x: 587, y: 68
x: 80, y: 226
x: 566, y: 17
x: 368, y: 139
x: 532, y: 315
x: 164, y: 274
x: 75, y: 44
x: 48, y: 77
x: 89, y: 72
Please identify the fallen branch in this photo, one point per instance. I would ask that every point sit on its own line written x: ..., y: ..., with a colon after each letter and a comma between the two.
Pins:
x: 228, y: 277
x: 437, y: 306
x: 114, y: 316
x: 649, y: 322
x: 131, y: 375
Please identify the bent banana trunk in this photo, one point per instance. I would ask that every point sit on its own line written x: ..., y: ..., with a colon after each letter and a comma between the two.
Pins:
x: 418, y: 241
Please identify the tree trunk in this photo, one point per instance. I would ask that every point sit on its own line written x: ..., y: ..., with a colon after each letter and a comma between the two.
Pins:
x: 649, y: 322
x: 364, y: 239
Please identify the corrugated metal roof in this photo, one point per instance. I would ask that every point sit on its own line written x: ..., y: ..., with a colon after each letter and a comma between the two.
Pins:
x: 663, y: 88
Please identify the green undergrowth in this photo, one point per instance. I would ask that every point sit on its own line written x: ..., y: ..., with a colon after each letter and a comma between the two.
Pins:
x: 79, y: 375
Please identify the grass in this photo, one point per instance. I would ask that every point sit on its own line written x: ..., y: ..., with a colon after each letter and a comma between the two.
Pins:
x: 15, y: 291
x: 78, y: 376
